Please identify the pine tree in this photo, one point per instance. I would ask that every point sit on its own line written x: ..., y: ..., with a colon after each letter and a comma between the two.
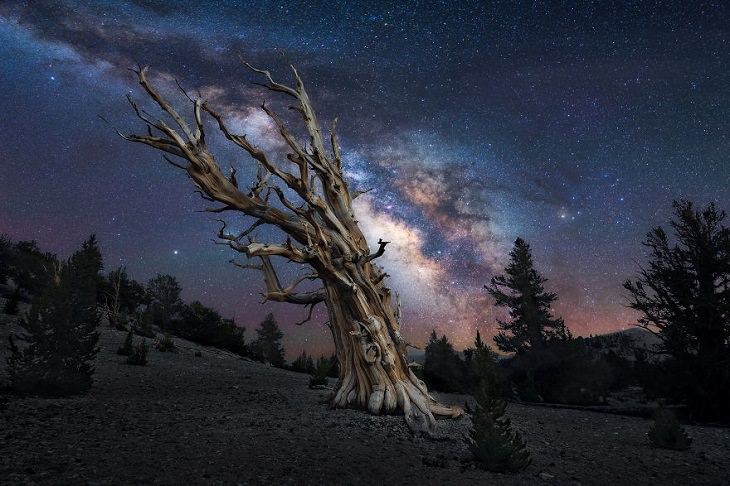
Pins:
x: 684, y: 298
x: 60, y: 330
x: 441, y: 366
x: 268, y: 346
x: 30, y: 268
x: 531, y: 324
x: 163, y: 295
x: 322, y: 370
x: 303, y: 364
x: 484, y: 366
x: 491, y: 440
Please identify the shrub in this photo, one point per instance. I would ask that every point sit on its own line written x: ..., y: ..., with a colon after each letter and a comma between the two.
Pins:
x: 667, y: 433
x: 205, y: 326
x: 122, y: 323
x: 560, y: 372
x: 166, y: 344
x: 128, y: 347
x: 11, y: 305
x: 143, y: 325
x: 139, y: 355
x: 318, y: 381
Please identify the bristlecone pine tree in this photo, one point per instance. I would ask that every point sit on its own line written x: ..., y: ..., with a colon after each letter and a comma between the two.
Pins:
x: 307, y: 198
x: 491, y: 440
x: 531, y: 324
x: 61, y: 330
x: 683, y: 295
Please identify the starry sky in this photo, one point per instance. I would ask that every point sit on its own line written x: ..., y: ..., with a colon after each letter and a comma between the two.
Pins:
x: 573, y: 126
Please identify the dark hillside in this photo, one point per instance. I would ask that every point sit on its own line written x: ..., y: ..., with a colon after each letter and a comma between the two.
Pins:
x: 221, y: 419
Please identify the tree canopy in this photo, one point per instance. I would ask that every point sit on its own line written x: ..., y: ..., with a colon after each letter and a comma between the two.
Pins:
x: 683, y: 295
x: 267, y: 346
x: 522, y: 290
x: 441, y: 367
x: 60, y: 329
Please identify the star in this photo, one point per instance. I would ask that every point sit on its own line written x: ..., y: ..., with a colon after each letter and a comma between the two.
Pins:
x: 473, y: 123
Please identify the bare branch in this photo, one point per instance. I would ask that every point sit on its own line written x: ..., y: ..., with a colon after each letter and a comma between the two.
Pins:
x: 336, y: 153
x: 380, y: 278
x: 357, y: 194
x: 379, y: 253
x: 272, y: 85
x: 221, y: 209
x: 275, y: 292
x: 254, y: 152
x: 232, y: 177
x: 309, y: 316
x: 173, y: 163
x: 288, y: 204
x: 253, y: 226
x: 167, y: 107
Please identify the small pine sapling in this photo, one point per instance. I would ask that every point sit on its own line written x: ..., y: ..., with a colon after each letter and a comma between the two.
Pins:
x: 491, y: 440
x: 667, y: 432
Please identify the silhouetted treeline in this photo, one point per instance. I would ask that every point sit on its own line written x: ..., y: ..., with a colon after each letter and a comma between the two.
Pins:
x: 27, y: 273
x: 576, y: 371
x: 323, y: 368
x: 54, y: 353
x: 683, y: 296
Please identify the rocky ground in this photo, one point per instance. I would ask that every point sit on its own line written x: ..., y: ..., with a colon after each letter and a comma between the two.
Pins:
x: 219, y: 419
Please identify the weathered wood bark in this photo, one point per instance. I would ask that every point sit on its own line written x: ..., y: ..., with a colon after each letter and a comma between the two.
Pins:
x: 322, y: 232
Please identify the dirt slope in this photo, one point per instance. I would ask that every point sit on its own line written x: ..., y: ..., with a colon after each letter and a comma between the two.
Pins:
x: 218, y: 419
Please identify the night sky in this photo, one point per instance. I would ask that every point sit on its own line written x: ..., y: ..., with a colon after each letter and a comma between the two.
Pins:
x: 572, y: 126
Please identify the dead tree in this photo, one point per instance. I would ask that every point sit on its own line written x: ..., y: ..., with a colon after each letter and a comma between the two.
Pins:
x: 307, y: 197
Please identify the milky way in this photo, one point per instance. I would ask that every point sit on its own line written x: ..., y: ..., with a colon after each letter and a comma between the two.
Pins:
x: 573, y: 127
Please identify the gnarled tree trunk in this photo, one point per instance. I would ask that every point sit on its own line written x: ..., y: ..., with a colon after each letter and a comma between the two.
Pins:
x: 322, y: 232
